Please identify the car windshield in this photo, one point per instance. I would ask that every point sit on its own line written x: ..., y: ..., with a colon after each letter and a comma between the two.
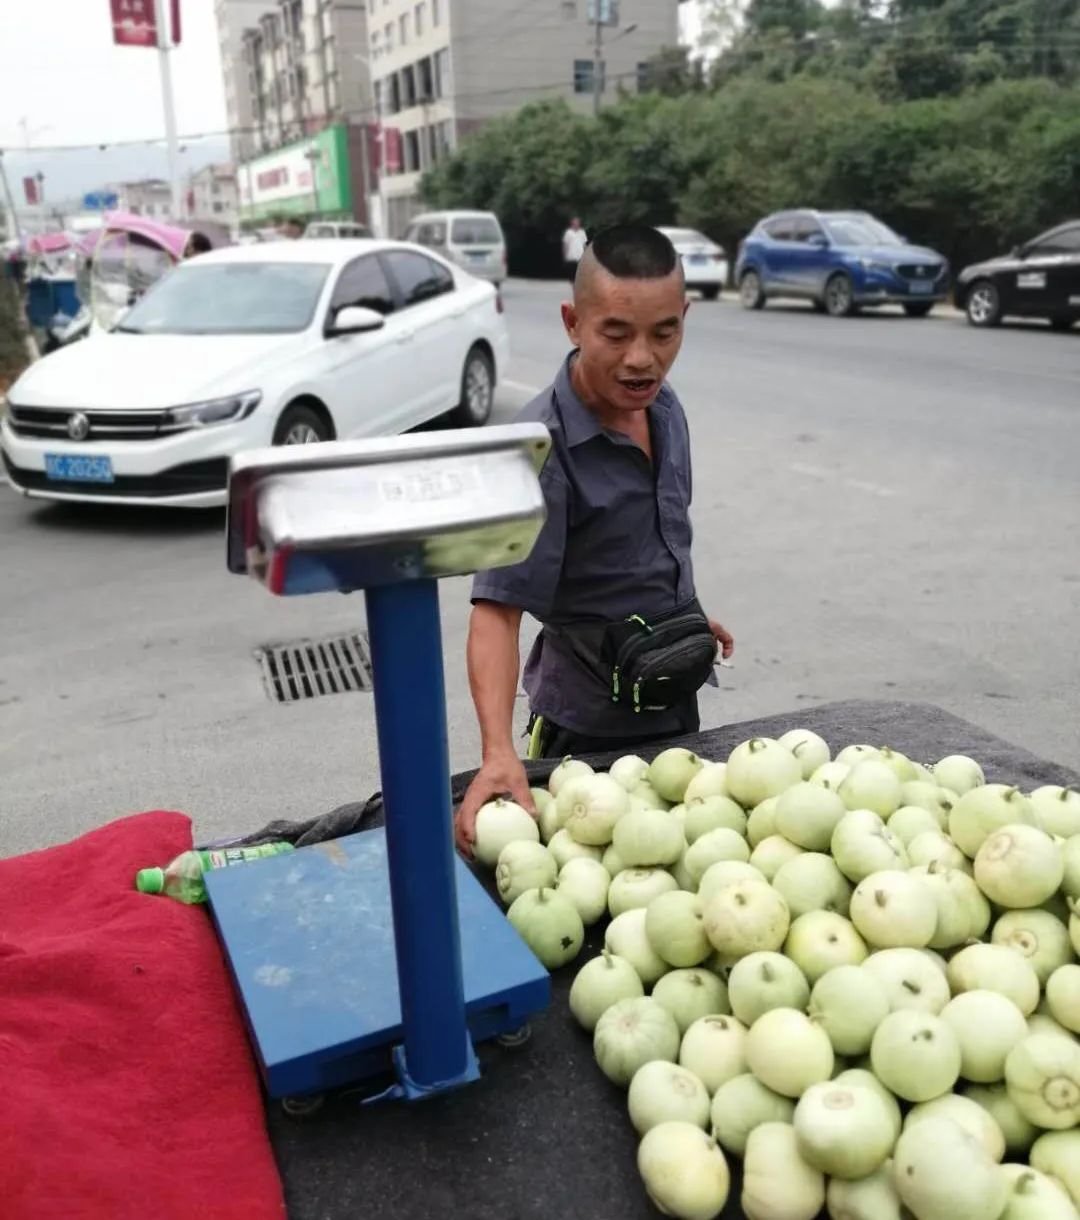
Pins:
x: 850, y: 230
x: 230, y: 299
x: 679, y: 237
x: 475, y: 231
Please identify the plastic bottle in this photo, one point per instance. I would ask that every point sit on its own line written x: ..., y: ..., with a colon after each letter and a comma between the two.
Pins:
x: 183, y: 877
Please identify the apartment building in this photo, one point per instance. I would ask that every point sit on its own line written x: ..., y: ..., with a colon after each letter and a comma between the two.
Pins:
x: 303, y: 65
x: 212, y: 195
x: 441, y: 68
x: 233, y: 18
x: 150, y: 197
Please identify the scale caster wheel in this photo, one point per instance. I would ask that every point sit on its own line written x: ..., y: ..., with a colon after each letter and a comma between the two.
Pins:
x: 516, y: 1037
x: 303, y: 1107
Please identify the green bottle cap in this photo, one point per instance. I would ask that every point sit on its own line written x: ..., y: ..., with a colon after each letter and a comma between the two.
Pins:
x: 150, y: 880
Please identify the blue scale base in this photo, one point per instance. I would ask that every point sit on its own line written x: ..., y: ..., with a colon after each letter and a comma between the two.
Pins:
x: 309, y: 937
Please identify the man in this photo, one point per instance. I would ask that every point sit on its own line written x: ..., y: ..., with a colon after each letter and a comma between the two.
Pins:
x: 293, y: 228
x: 574, y: 242
x: 197, y: 243
x: 616, y: 542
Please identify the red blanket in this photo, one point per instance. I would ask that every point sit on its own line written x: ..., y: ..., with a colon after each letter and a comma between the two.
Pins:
x: 127, y: 1088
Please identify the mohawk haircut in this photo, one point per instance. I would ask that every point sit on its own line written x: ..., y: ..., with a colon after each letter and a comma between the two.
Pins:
x: 634, y: 252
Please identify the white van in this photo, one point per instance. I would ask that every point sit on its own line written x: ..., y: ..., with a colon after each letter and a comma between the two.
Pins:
x: 473, y: 240
x: 336, y: 228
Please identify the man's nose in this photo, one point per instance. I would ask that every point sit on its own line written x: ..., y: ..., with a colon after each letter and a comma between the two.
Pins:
x: 639, y: 354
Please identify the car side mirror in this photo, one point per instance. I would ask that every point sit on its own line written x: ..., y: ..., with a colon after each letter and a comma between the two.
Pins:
x: 355, y: 320
x: 819, y: 241
x: 1018, y: 252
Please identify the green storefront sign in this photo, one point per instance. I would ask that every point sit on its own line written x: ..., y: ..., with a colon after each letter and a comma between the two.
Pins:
x: 281, y: 183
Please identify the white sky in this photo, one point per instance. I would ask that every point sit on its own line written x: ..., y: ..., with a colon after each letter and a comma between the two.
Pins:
x: 60, y: 70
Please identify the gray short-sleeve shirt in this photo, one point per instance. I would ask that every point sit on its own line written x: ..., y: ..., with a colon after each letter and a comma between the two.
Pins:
x: 616, y: 542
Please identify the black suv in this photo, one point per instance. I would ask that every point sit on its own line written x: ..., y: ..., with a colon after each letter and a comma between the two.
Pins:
x: 1040, y: 279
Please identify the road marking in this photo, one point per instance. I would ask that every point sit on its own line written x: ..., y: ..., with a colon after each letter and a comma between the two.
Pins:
x: 874, y: 489
x: 819, y: 472
x: 815, y: 472
x: 521, y: 386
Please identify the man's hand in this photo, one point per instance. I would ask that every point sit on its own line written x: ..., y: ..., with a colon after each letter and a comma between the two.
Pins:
x: 723, y: 637
x: 503, y: 775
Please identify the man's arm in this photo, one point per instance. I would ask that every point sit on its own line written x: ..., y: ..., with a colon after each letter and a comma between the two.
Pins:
x: 493, y: 660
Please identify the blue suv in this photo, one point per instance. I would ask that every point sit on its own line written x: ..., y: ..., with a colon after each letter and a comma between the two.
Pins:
x: 840, y: 261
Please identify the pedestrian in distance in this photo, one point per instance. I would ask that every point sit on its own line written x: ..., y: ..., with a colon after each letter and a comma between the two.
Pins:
x: 292, y: 228
x: 574, y: 243
x: 624, y: 646
x: 197, y: 243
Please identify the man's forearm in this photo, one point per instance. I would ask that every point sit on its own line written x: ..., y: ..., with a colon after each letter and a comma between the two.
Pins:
x: 494, y: 660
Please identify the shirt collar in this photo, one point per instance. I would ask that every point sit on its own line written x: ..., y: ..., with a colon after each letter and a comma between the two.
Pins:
x: 579, y: 423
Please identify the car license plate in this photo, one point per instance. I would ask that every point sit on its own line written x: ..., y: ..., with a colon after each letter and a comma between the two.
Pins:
x: 921, y: 287
x: 477, y: 256
x: 698, y: 260
x: 75, y: 468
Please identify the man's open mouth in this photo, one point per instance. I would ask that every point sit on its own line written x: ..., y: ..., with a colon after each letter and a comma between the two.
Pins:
x: 637, y: 385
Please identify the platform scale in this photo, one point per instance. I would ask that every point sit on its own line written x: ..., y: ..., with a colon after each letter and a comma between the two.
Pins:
x: 380, y: 952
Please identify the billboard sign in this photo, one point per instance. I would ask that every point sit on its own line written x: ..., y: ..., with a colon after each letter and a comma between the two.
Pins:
x: 134, y: 22
x: 292, y: 178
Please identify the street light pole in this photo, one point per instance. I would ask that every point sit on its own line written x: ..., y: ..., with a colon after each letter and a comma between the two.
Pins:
x: 312, y: 157
x: 164, y: 46
x: 598, y: 57
x: 18, y: 229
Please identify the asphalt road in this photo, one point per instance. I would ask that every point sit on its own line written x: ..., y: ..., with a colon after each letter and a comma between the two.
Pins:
x: 883, y: 508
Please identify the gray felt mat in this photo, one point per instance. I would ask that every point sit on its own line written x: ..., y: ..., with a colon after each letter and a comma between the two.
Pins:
x: 543, y: 1136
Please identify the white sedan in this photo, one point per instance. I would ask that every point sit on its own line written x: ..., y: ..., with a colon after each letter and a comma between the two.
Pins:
x: 282, y: 344
x: 704, y: 262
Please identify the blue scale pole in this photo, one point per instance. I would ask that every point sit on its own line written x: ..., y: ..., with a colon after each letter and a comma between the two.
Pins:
x: 410, y: 708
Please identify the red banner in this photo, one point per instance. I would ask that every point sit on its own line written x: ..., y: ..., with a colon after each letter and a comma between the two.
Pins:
x: 30, y: 190
x: 134, y: 22
x: 392, y: 146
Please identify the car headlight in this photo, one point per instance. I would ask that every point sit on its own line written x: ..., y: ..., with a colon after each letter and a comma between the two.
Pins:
x: 216, y: 411
x: 870, y: 264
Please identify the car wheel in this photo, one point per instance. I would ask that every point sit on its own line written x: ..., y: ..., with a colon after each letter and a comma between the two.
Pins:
x: 751, y: 293
x: 983, y: 304
x: 477, y: 391
x: 300, y: 425
x: 710, y: 292
x: 1062, y: 322
x: 839, y: 296
x: 918, y: 309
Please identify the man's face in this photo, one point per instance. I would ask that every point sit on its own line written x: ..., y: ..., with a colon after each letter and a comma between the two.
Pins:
x: 293, y: 228
x: 628, y: 333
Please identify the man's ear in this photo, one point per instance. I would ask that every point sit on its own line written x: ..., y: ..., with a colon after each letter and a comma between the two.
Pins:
x: 686, y: 307
x: 571, y: 322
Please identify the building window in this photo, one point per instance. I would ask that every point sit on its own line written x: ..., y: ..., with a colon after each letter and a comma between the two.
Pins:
x: 424, y: 83
x: 403, y: 28
x: 436, y: 15
x: 388, y: 35
x: 443, y: 84
x: 583, y: 76
x: 408, y: 87
x: 569, y: 10
x: 644, y: 77
x: 218, y: 206
x: 418, y: 19
x: 412, y: 152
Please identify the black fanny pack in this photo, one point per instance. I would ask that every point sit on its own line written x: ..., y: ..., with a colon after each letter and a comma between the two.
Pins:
x: 648, y: 663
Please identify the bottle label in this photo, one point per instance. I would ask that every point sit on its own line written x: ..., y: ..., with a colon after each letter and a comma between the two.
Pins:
x: 226, y: 857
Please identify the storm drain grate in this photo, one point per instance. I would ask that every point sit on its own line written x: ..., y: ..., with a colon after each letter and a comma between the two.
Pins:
x: 305, y: 669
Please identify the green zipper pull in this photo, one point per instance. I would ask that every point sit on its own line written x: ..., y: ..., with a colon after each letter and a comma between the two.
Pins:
x: 615, y: 685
